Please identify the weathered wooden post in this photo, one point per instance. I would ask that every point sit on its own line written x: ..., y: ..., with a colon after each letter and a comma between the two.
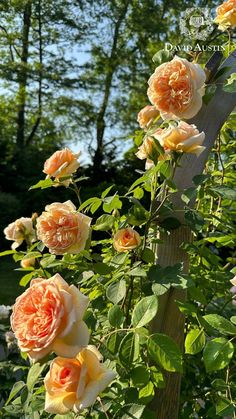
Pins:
x: 169, y: 319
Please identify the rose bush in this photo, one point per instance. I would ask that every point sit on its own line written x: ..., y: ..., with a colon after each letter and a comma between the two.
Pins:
x: 122, y: 275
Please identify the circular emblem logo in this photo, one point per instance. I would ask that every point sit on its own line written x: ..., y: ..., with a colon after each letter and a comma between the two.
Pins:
x: 196, y: 23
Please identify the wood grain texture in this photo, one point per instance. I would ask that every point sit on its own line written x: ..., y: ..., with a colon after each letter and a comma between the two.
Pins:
x: 169, y: 320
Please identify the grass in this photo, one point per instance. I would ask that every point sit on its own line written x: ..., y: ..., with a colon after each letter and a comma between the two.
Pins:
x: 9, y: 281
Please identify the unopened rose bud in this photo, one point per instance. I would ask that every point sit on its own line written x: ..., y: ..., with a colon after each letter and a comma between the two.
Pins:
x: 27, y: 263
x: 116, y: 213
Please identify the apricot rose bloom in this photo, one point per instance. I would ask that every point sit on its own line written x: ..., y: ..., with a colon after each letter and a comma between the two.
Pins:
x: 20, y: 230
x: 176, y: 88
x: 147, y: 115
x: 181, y: 138
x: 62, y: 229
x: 74, y: 384
x: 226, y: 15
x: 126, y: 239
x: 47, y: 317
x: 62, y: 163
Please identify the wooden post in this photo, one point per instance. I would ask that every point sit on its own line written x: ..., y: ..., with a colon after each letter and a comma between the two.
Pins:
x: 169, y: 319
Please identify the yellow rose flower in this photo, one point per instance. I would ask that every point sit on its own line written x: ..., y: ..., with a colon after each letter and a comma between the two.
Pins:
x: 74, y: 384
x: 126, y: 239
x: 226, y: 15
x: 181, y: 138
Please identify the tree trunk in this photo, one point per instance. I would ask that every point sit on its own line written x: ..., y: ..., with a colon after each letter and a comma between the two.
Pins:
x: 112, y: 66
x: 20, y: 134
x: 169, y: 319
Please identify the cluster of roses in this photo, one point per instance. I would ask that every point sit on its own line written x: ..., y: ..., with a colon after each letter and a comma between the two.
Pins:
x: 47, y: 317
x: 175, y: 91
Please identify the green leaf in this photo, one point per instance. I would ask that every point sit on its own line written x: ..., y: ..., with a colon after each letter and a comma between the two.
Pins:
x: 130, y: 411
x: 116, y: 316
x: 8, y: 252
x: 200, y: 179
x: 140, y: 376
x: 113, y: 343
x: 233, y: 319
x: 194, y: 220
x: 32, y: 255
x: 165, y: 352
x: 138, y: 272
x: 26, y: 278
x: 17, y: 387
x: 102, y: 268
x: 144, y: 311
x: 188, y: 194
x: 187, y: 308
x: 33, y: 375
x: 106, y: 192
x: 230, y: 84
x: 159, y: 289
x: 162, y: 56
x: 111, y: 203
x: 170, y: 223
x: 217, y: 354
x: 47, y: 260
x: 146, y: 393
x: 116, y: 291
x: 89, y: 202
x: 209, y: 93
x: 224, y: 407
x: 195, y: 341
x: 225, y: 192
x: 43, y: 184
x: 129, y: 349
x: 66, y: 416
x: 104, y: 223
x: 148, y: 255
x: 220, y: 323
x: 137, y: 215
x: 120, y: 259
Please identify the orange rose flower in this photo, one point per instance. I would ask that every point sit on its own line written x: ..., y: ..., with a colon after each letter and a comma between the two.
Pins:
x: 62, y: 229
x: 126, y: 239
x: 226, y: 15
x: 147, y: 115
x: 176, y: 88
x: 62, y: 163
x: 20, y: 230
x: 48, y: 317
x: 148, y: 149
x: 182, y: 138
x: 74, y: 384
